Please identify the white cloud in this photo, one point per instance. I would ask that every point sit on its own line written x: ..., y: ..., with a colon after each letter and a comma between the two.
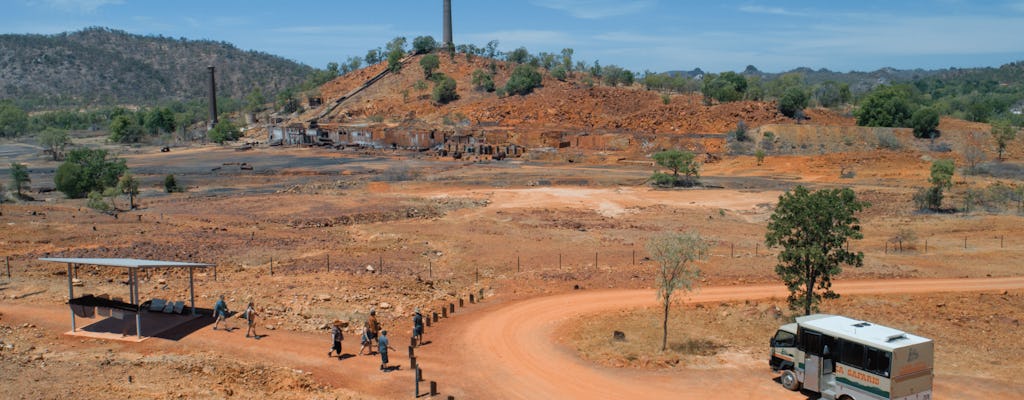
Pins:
x: 1016, y: 6
x: 596, y: 9
x: 87, y: 6
x: 329, y: 29
x: 770, y: 10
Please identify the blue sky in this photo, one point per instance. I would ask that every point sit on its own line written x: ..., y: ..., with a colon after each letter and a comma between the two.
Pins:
x: 656, y: 35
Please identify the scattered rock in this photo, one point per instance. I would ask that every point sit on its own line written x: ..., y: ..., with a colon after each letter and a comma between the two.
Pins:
x: 77, y: 282
x: 323, y: 297
x: 269, y: 327
x: 619, y: 336
x: 384, y: 305
x: 370, y: 269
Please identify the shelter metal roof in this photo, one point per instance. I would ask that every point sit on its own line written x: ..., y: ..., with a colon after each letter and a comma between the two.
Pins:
x: 125, y: 262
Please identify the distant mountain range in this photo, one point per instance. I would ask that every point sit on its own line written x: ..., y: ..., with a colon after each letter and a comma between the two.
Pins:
x: 100, y: 66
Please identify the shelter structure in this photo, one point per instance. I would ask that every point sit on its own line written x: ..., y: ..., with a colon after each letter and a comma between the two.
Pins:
x: 133, y: 305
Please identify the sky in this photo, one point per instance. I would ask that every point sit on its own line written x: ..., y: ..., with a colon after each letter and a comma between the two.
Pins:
x: 641, y: 35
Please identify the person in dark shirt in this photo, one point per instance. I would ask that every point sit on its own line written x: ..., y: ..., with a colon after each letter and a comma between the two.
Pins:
x: 417, y: 326
x: 336, y: 338
x: 382, y: 347
x: 220, y: 311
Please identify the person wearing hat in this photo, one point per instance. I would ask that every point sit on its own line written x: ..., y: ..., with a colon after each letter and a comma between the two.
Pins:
x: 417, y: 327
x: 336, y: 337
x: 382, y: 347
x: 220, y: 311
x: 250, y: 319
x: 373, y: 325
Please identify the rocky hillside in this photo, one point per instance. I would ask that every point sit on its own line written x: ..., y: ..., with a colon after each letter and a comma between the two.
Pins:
x: 99, y: 66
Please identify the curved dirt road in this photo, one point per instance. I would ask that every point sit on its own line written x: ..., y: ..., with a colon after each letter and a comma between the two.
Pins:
x: 509, y: 351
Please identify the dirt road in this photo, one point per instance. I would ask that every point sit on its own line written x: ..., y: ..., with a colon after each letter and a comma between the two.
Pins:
x: 510, y: 351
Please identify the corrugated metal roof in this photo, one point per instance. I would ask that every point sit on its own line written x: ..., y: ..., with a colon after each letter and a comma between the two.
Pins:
x: 125, y: 262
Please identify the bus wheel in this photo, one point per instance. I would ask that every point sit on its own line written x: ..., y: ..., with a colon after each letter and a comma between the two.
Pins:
x: 788, y: 380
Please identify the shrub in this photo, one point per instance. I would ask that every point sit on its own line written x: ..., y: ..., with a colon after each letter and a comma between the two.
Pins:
x: 125, y: 129
x: 429, y: 62
x: 888, y: 140
x: 759, y: 155
x: 559, y: 73
x: 885, y: 106
x: 225, y: 130
x: 924, y: 121
x: 482, y: 81
x: 792, y: 101
x: 445, y: 91
x: 171, y: 184
x: 87, y: 170
x: 678, y: 161
x: 523, y: 80
x: 666, y: 99
x: 98, y: 202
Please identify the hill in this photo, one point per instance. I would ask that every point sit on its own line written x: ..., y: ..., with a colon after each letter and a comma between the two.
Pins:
x: 100, y: 66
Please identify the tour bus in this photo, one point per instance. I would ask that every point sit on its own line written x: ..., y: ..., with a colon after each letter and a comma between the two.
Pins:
x: 843, y: 358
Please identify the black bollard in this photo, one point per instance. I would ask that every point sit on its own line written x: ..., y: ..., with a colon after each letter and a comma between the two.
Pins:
x: 471, y: 301
x: 412, y: 363
x: 411, y: 353
x: 433, y: 388
x: 460, y: 303
x: 435, y: 317
x: 412, y: 342
x: 451, y: 308
x: 444, y: 312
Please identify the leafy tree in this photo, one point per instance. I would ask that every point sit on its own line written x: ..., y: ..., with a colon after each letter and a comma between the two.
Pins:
x: 677, y: 161
x: 596, y: 71
x: 567, y: 58
x: 86, y: 170
x: 812, y: 229
x: 255, y: 100
x: 129, y: 186
x: 445, y: 91
x: 483, y: 81
x: 13, y: 120
x: 352, y: 64
x: 793, y: 101
x: 424, y: 44
x: 159, y: 119
x: 885, y: 106
x: 491, y: 49
x: 429, y: 62
x: 287, y: 102
x: 373, y: 56
x: 832, y: 93
x: 225, y: 130
x: 19, y: 177
x: 395, y: 60
x: 674, y: 253
x: 615, y: 75
x: 125, y: 129
x: 924, y: 121
x: 523, y: 80
x: 518, y: 56
x: 941, y: 179
x: 726, y: 87
x: 1003, y: 132
x: 54, y: 140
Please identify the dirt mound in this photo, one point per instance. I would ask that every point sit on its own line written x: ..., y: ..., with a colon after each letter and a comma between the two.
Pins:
x: 573, y: 105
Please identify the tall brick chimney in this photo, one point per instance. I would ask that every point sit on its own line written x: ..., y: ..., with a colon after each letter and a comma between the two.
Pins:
x: 213, y: 99
x: 448, y: 24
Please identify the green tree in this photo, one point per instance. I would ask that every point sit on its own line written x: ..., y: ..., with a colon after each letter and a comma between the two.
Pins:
x: 125, y: 129
x: 1003, y: 133
x: 255, y: 100
x: 518, y: 56
x: 726, y: 87
x: 523, y: 80
x: 86, y: 170
x: 159, y: 119
x: 97, y: 202
x: 429, y: 62
x: 54, y: 140
x: 812, y: 228
x: 677, y: 161
x: 924, y: 121
x: 424, y: 45
x: 396, y: 50
x: 674, y: 253
x: 130, y: 186
x: 832, y: 93
x: 445, y: 91
x: 13, y: 120
x: 885, y: 106
x: 483, y: 81
x: 559, y: 73
x: 224, y: 131
x: 941, y: 178
x: 567, y: 58
x: 19, y: 177
x: 373, y: 56
x: 794, y: 100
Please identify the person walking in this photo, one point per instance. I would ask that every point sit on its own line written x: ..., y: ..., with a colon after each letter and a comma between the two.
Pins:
x: 336, y: 337
x: 364, y: 339
x: 382, y: 347
x: 220, y: 311
x: 374, y: 325
x: 417, y: 327
x: 250, y: 318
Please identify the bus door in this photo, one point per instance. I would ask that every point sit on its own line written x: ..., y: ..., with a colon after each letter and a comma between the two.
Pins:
x: 817, y: 362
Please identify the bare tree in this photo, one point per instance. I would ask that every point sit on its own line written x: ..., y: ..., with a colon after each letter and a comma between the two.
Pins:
x: 674, y: 252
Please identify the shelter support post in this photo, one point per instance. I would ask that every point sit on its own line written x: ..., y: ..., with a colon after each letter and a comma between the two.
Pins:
x: 135, y: 301
x: 71, y: 295
x: 191, y: 292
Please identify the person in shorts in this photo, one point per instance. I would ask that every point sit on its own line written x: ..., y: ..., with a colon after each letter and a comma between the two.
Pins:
x: 336, y: 337
x: 220, y: 311
x: 383, y: 346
